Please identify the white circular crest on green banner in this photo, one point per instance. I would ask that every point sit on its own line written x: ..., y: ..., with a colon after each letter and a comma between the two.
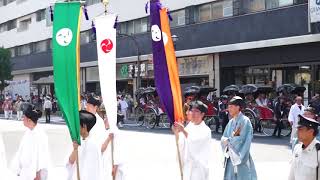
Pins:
x: 64, y: 36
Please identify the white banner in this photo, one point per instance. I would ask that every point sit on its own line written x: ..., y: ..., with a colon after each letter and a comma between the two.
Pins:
x: 314, y: 11
x: 106, y: 49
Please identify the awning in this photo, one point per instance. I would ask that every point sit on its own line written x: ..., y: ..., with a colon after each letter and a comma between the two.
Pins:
x: 44, y: 80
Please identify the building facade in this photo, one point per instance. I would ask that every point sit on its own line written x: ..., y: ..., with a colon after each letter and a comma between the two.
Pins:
x: 220, y: 43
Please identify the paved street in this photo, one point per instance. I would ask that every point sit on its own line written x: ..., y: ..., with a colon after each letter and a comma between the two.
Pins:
x: 152, y: 154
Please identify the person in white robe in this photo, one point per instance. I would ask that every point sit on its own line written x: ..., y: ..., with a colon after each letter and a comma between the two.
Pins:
x: 32, y: 159
x: 89, y: 152
x: 295, y: 110
x: 195, y: 144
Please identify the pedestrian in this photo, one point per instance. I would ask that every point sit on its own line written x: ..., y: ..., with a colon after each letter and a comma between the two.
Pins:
x: 305, y: 159
x: 195, y: 144
x: 32, y: 159
x: 315, y: 103
x: 236, y: 142
x: 83, y: 102
x: 18, y: 108
x: 279, y: 108
x: 47, y: 107
x: 7, y: 108
x: 223, y: 113
x: 186, y: 107
x: 124, y: 107
x: 89, y: 152
x: 295, y: 110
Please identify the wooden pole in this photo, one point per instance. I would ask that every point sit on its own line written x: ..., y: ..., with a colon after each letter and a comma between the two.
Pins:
x: 179, y: 155
x: 112, y: 158
x: 77, y: 160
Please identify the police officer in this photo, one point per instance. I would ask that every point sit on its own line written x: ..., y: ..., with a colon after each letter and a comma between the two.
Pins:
x: 305, y: 163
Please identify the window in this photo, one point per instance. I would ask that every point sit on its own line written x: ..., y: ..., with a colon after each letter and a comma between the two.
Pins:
x: 228, y: 8
x: 41, y: 15
x: 12, y: 24
x: 90, y: 2
x: 12, y: 52
x: 141, y: 25
x: 130, y: 27
x: 24, y: 50
x: 3, y: 27
x: 204, y: 12
x: 48, y: 16
x: 40, y: 46
x: 271, y: 4
x: 253, y: 5
x: 84, y: 37
x: 178, y: 18
x: 24, y: 24
x: 2, y: 3
x: 285, y: 3
x: 123, y: 28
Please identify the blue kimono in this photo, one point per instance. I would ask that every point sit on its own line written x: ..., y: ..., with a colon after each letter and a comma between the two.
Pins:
x: 241, y: 146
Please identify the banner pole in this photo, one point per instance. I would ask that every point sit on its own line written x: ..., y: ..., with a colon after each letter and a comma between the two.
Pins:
x: 179, y: 155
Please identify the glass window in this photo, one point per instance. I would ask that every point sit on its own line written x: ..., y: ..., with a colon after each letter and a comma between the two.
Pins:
x: 12, y: 52
x: 24, y: 50
x: 178, y: 18
x: 40, y: 46
x: 90, y: 2
x: 204, y: 12
x: 227, y: 8
x: 48, y: 16
x: 123, y: 28
x: 12, y: 24
x: 217, y: 10
x: 271, y: 4
x: 3, y: 27
x: 137, y: 26
x: 24, y: 24
x: 144, y: 24
x: 41, y: 15
x: 84, y: 37
x: 285, y: 3
x: 254, y: 5
x: 130, y: 27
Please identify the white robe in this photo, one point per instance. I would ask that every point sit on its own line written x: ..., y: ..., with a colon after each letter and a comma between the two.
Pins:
x: 32, y: 155
x: 90, y: 161
x: 196, y: 151
x: 118, y: 157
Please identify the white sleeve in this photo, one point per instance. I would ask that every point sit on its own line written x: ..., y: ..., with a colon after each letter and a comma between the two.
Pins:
x: 291, y: 114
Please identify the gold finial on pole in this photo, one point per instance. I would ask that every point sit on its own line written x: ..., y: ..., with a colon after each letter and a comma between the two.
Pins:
x: 105, y: 3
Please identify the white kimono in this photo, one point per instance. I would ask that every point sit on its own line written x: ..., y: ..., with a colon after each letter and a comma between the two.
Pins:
x: 90, y: 161
x: 32, y: 155
x: 293, y: 118
x: 196, y: 151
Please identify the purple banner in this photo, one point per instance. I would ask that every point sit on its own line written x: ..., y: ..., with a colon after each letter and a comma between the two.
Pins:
x: 161, y: 75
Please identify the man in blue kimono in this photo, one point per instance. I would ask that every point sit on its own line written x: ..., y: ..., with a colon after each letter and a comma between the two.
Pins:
x: 236, y: 142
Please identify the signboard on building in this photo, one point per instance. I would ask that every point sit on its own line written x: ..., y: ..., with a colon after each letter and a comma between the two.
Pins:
x: 314, y: 11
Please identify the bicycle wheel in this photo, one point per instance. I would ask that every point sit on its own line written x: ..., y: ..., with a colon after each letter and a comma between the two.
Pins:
x: 151, y: 118
x: 286, y: 128
x: 139, y: 113
x: 268, y: 126
x: 251, y: 116
x: 164, y: 121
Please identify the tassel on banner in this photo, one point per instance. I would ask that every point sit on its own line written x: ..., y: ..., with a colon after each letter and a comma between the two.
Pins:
x: 115, y: 23
x: 93, y: 27
x: 51, y: 13
x: 169, y: 15
x: 85, y: 11
x: 146, y: 7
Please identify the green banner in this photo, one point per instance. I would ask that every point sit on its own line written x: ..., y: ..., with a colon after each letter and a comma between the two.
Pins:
x: 66, y: 60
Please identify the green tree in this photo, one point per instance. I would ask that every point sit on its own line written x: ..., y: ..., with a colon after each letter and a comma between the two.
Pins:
x: 5, y: 68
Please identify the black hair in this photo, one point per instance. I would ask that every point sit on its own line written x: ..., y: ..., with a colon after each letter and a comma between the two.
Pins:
x: 87, y: 118
x: 30, y: 112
